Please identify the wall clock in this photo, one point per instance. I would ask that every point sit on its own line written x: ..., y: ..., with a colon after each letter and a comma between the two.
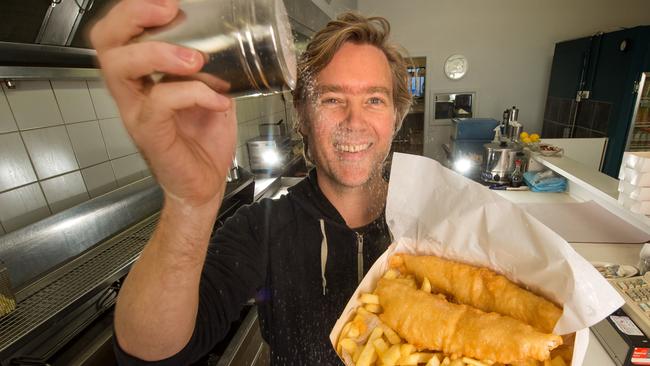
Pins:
x: 456, y: 67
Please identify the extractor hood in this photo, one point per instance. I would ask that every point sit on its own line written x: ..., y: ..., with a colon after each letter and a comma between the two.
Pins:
x: 53, y: 33
x: 47, y: 32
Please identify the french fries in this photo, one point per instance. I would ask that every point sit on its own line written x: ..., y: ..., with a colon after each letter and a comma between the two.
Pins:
x: 366, y: 341
x: 369, y: 299
x: 426, y: 286
x: 557, y: 361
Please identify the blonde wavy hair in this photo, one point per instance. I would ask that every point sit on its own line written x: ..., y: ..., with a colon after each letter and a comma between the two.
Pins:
x: 355, y: 28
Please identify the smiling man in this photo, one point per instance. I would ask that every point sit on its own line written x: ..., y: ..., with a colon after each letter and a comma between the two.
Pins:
x: 301, y: 256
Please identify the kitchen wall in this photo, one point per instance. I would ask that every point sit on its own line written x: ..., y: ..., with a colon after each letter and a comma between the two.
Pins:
x: 509, y: 43
x: 62, y: 143
x: 333, y: 7
x: 251, y: 112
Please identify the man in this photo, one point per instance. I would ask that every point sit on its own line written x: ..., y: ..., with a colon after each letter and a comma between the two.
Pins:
x: 304, y: 254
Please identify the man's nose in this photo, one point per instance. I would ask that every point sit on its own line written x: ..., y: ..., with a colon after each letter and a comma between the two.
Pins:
x: 355, y: 118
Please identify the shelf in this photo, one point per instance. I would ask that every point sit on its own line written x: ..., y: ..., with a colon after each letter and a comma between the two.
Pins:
x: 40, y: 73
x: 637, y: 148
x: 640, y: 146
x: 39, y: 55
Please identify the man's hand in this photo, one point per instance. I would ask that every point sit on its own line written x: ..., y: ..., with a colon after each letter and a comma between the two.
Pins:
x: 186, y: 131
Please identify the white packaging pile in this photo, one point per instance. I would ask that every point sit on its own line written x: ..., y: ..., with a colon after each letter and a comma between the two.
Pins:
x: 634, y: 182
x: 433, y: 211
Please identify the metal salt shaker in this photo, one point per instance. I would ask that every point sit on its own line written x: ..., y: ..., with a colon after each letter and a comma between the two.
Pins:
x: 248, y: 44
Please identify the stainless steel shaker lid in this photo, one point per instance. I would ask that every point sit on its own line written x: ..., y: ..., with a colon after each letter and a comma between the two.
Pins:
x: 248, y: 44
x: 268, y: 46
x: 287, y: 54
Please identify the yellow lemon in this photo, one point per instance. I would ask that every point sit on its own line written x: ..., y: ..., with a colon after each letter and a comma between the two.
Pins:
x: 534, y: 137
x: 523, y: 135
x: 526, y: 140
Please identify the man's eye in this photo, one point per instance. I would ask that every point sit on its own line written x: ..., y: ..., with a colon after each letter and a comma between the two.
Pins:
x: 330, y: 101
x: 376, y: 100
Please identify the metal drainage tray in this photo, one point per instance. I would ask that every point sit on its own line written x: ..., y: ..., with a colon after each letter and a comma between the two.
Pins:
x: 48, y: 298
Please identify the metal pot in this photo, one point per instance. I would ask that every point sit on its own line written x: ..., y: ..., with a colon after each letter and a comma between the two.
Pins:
x: 247, y: 44
x: 500, y: 161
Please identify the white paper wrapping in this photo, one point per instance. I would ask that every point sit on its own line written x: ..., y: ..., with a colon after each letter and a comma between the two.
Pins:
x: 432, y: 210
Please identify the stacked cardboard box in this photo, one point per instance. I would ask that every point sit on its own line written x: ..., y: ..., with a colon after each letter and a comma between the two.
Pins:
x: 634, y: 184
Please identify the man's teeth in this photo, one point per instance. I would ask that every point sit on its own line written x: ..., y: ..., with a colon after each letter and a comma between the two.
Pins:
x: 352, y: 148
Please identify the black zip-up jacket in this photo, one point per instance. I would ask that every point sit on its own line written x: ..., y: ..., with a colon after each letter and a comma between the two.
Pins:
x: 303, y: 262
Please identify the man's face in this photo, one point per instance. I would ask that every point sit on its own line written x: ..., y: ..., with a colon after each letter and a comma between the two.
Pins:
x: 352, y: 117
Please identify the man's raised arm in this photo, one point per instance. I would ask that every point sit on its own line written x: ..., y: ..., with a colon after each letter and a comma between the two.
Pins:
x: 187, y: 133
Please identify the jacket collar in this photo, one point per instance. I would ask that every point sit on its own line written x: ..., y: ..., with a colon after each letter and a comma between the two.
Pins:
x: 309, y: 196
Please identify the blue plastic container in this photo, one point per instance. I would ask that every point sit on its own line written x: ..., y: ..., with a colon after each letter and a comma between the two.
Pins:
x: 473, y: 129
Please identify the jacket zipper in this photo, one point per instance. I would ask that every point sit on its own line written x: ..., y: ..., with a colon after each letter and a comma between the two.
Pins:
x: 359, y: 257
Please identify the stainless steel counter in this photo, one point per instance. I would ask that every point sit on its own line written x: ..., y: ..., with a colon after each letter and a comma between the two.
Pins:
x: 262, y: 185
x: 67, y: 269
x: 266, y: 181
x: 274, y: 187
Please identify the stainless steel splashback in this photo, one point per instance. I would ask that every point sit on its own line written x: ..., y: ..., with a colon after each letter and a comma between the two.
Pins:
x: 35, y: 249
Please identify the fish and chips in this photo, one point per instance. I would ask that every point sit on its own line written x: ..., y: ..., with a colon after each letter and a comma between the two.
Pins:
x: 431, y: 311
x: 480, y: 288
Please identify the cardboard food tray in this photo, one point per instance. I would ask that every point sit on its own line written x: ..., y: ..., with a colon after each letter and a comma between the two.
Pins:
x: 432, y: 210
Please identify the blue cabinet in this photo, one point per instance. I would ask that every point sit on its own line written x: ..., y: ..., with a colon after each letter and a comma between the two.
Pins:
x: 591, y: 90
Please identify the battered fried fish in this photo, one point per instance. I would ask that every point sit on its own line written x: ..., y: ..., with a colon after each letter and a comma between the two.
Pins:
x: 481, y: 288
x: 430, y: 322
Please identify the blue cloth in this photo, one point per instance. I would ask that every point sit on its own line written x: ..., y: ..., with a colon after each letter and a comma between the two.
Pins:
x: 545, y: 182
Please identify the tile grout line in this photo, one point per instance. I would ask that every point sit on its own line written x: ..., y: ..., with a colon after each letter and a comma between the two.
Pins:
x: 4, y: 230
x: 108, y: 159
x: 250, y: 123
x: 4, y: 95
x: 56, y: 100
x: 56, y: 125
x: 33, y: 128
x: 74, y: 153
x: 62, y: 174
x: 67, y: 133
x: 101, y: 132
x: 31, y: 162
x: 79, y: 169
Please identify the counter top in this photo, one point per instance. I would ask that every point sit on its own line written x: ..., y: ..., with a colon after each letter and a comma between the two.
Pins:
x: 265, y: 181
x: 587, y: 183
x: 601, y: 252
x: 596, y: 354
x: 600, y: 184
x: 536, y: 197
x: 614, y: 253
x: 593, y: 252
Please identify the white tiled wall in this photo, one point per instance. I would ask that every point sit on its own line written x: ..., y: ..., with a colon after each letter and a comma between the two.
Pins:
x: 16, y: 167
x: 22, y: 206
x: 50, y: 150
x: 64, y: 191
x: 7, y: 123
x: 74, y: 100
x: 62, y: 142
